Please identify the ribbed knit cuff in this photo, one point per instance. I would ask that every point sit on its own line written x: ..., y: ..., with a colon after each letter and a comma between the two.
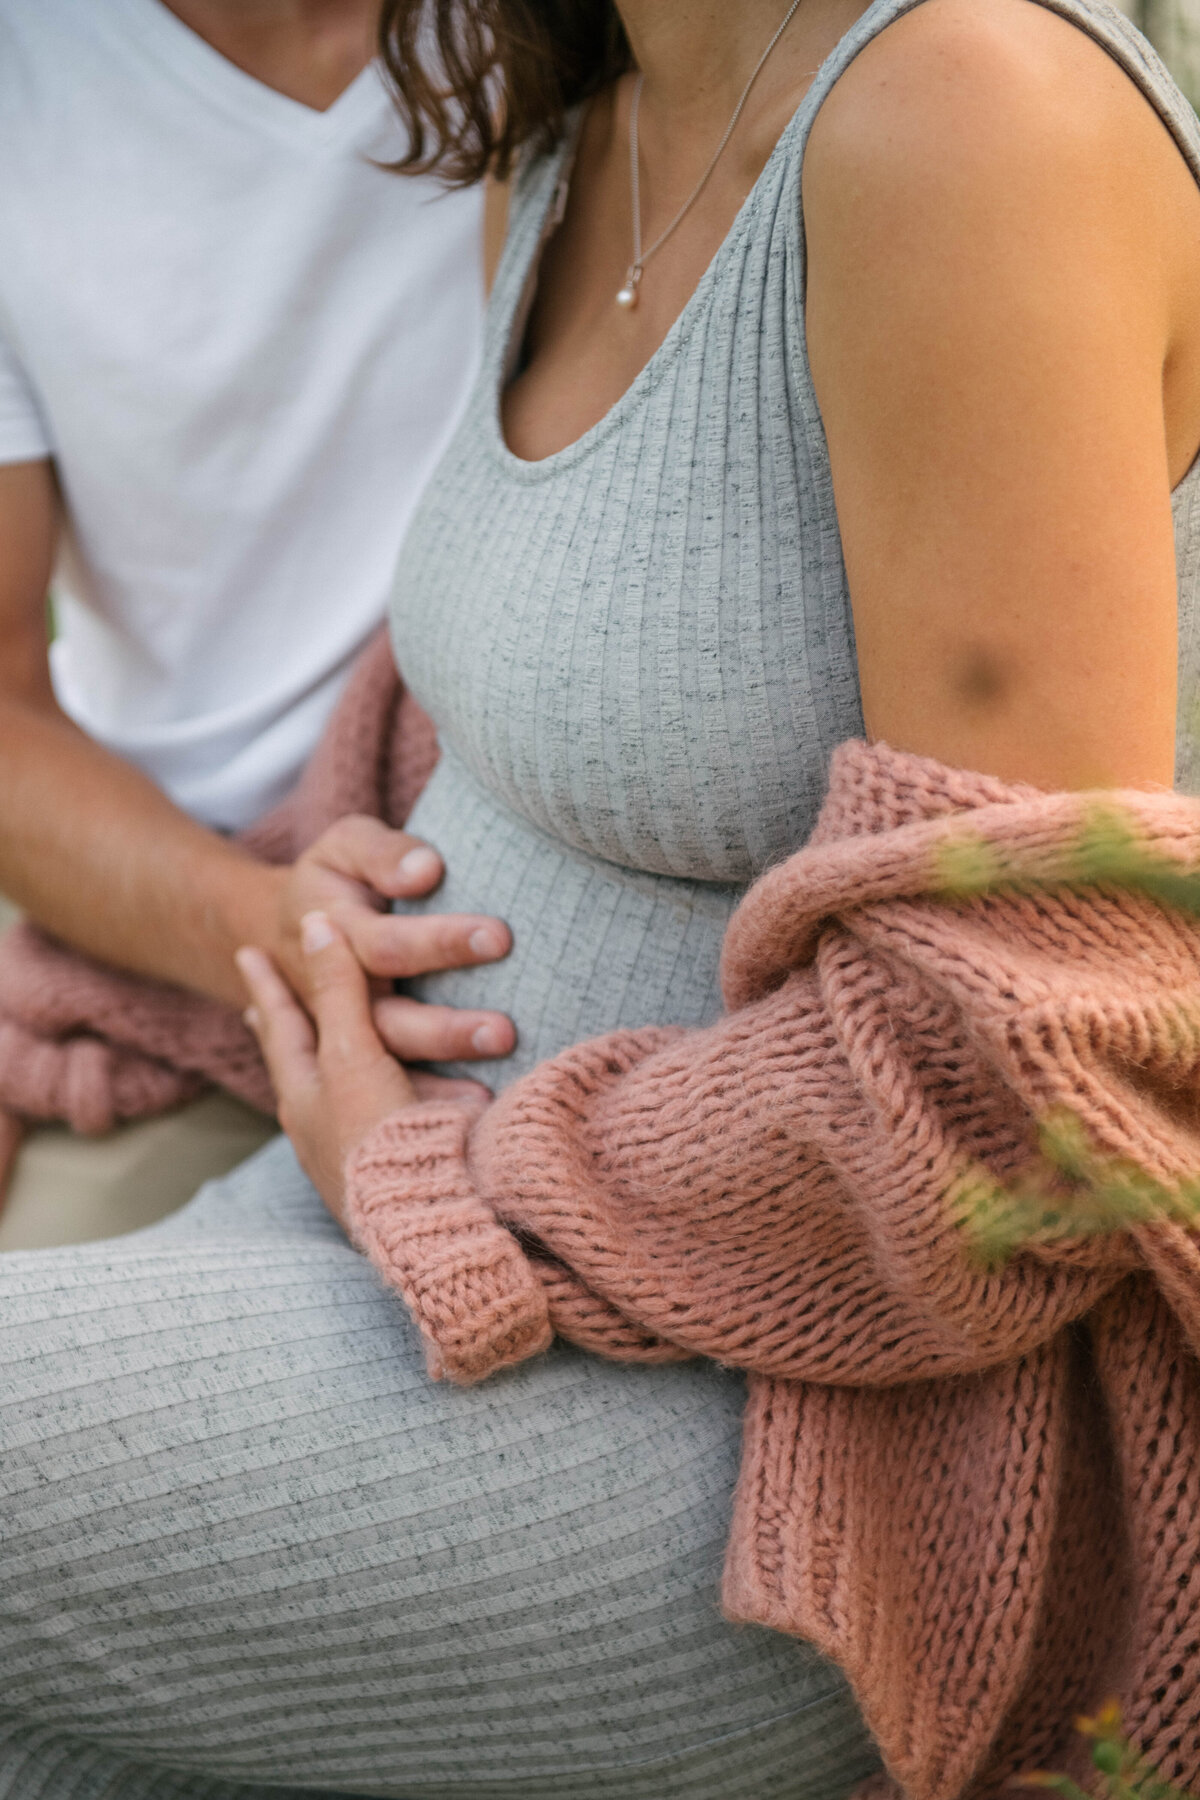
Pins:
x: 412, y: 1208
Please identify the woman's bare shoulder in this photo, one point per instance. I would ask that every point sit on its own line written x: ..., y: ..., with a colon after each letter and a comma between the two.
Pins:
x: 966, y: 95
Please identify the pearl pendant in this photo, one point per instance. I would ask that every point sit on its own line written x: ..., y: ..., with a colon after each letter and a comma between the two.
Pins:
x: 627, y: 297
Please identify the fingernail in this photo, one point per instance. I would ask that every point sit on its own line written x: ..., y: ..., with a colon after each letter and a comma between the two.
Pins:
x: 246, y: 959
x: 420, y: 864
x: 251, y: 1017
x: 316, y: 933
x: 484, y: 941
x: 490, y: 1040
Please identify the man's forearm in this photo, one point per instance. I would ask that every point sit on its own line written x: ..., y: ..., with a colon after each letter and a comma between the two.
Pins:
x: 97, y: 854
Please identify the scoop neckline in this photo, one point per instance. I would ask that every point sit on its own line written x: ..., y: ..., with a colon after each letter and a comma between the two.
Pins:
x: 653, y: 370
x: 206, y: 70
x: 657, y: 365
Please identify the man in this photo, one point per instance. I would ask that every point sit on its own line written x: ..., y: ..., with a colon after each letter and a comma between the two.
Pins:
x: 231, y: 347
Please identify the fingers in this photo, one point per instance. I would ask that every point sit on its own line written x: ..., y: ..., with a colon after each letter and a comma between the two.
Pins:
x: 392, y: 945
x: 282, y: 1027
x: 472, y: 1096
x: 418, y: 1033
x: 338, y: 993
x: 360, y: 861
x: 334, y: 1080
x: 362, y: 1082
x: 393, y: 863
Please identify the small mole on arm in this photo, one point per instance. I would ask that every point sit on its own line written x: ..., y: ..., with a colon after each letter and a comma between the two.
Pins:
x: 980, y: 679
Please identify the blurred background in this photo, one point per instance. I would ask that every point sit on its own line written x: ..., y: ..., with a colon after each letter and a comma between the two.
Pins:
x: 1173, y: 27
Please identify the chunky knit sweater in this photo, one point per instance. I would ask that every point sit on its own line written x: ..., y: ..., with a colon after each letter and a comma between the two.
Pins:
x: 976, y: 1489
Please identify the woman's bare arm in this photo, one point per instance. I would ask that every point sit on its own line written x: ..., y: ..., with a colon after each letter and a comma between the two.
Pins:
x: 1001, y: 240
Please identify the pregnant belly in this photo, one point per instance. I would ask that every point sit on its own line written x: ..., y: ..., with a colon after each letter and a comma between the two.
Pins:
x: 595, y: 945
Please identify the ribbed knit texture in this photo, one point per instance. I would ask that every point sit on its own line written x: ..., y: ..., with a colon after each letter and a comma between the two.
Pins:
x: 639, y: 652
x: 978, y: 1492
x: 639, y: 656
x: 478, y: 1303
x: 248, y: 1541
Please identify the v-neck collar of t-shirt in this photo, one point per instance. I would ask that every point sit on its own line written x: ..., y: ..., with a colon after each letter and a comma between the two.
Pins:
x: 159, y: 32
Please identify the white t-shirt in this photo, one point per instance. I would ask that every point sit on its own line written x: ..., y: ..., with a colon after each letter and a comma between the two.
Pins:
x: 244, y: 347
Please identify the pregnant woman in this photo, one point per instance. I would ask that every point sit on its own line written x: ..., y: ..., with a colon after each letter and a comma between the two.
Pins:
x: 842, y: 372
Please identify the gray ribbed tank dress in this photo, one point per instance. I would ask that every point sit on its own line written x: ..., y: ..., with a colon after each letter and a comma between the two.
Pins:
x: 639, y: 651
x: 248, y: 1549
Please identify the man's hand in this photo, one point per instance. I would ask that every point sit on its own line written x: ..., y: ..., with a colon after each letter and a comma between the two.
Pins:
x: 334, y: 1079
x: 92, y: 851
x: 348, y: 875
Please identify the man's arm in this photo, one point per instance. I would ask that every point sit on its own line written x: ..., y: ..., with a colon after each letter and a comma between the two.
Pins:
x: 89, y: 847
x: 92, y: 850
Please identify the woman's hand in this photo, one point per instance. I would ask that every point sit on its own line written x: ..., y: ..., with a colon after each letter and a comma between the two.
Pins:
x: 349, y: 874
x: 333, y: 1077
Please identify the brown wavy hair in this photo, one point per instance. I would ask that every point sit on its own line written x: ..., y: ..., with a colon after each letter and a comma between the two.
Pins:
x: 476, y: 81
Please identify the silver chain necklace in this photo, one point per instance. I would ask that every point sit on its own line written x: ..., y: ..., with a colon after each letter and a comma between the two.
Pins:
x: 627, y: 297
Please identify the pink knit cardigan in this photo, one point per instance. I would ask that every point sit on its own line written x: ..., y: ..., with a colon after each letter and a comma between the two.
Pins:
x: 92, y: 1046
x: 978, y: 1492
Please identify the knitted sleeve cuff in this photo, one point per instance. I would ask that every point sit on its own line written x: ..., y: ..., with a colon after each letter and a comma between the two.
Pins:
x: 412, y: 1207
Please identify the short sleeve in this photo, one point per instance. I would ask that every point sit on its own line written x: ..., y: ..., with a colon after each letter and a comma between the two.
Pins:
x: 23, y: 434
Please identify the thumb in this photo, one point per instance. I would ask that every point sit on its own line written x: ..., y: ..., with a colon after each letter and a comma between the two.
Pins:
x: 339, y: 994
x: 369, y: 852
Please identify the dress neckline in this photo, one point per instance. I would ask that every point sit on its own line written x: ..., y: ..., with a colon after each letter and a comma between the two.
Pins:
x: 519, y: 294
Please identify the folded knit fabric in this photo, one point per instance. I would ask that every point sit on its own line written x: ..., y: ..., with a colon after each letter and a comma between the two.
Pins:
x: 92, y: 1046
x: 977, y: 1490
